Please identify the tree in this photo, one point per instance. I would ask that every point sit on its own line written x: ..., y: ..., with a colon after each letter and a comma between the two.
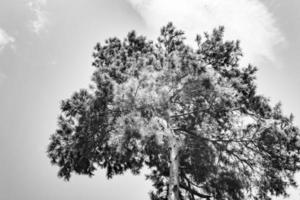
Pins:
x: 192, y: 116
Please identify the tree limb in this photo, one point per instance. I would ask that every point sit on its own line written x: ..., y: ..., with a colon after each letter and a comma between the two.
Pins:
x: 192, y: 191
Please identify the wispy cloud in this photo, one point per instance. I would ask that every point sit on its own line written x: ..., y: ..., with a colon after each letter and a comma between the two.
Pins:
x: 40, y: 16
x: 5, y: 39
x: 246, y: 20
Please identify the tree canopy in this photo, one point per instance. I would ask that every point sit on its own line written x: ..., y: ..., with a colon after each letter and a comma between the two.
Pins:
x: 146, y: 98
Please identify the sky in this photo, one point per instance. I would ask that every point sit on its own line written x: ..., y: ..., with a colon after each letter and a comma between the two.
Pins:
x: 45, y: 55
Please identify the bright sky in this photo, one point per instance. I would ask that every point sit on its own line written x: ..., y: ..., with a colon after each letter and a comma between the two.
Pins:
x: 45, y: 55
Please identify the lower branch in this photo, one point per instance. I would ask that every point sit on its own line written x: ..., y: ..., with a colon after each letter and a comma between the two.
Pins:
x: 194, y: 192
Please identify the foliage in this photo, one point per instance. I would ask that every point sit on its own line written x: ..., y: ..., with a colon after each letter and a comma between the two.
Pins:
x: 234, y: 144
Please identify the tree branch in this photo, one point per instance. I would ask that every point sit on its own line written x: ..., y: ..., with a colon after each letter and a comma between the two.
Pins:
x: 192, y: 191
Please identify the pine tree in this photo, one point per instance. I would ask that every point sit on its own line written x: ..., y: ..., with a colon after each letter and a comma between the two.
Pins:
x: 192, y: 116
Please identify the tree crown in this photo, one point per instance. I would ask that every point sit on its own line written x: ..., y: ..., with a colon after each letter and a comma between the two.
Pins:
x: 234, y: 144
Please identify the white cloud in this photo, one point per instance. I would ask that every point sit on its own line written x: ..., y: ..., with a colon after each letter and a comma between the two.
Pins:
x: 40, y: 16
x: 5, y: 39
x: 246, y: 20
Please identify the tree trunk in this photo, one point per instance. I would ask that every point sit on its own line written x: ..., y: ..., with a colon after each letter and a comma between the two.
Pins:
x: 174, y: 169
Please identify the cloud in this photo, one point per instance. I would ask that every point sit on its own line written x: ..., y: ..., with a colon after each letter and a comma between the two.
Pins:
x: 40, y: 16
x: 246, y: 20
x: 5, y: 39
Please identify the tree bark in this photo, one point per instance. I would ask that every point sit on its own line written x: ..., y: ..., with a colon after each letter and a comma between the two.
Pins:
x: 174, y: 168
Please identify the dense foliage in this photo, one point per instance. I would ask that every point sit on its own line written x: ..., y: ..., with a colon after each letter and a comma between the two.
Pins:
x: 233, y: 144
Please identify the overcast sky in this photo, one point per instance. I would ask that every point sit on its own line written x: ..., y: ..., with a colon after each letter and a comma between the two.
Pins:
x: 45, y: 55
